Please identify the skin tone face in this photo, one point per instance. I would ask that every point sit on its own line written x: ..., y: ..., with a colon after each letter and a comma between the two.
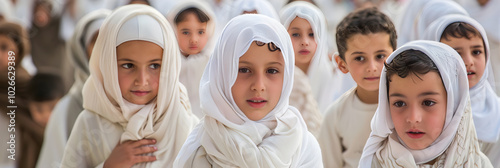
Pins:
x: 364, y: 59
x: 473, y: 54
x: 6, y: 45
x: 257, y: 89
x: 303, y: 42
x: 40, y: 111
x: 191, y: 35
x: 90, y: 47
x: 418, y: 108
x: 139, y: 66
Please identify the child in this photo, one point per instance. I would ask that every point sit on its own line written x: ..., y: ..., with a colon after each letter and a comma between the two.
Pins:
x: 297, y: 17
x: 66, y: 111
x: 136, y: 111
x: 245, y: 90
x: 468, y: 38
x: 264, y: 7
x: 45, y: 91
x: 424, y: 117
x: 364, y: 38
x: 194, y: 23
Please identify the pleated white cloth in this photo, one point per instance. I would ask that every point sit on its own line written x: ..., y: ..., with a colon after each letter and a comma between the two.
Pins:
x: 108, y: 119
x: 457, y: 146
x: 320, y: 70
x: 192, y: 67
x: 485, y: 103
x: 261, y: 6
x: 69, y: 107
x: 226, y: 137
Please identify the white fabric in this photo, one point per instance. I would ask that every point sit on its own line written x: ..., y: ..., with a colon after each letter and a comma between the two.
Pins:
x: 454, y: 77
x: 133, y: 30
x: 92, y: 28
x: 6, y: 10
x: 484, y: 101
x: 192, y: 67
x: 261, y: 6
x: 492, y: 151
x: 345, y: 129
x: 67, y: 109
x: 320, y: 70
x: 302, y: 99
x: 230, y: 139
x: 168, y: 119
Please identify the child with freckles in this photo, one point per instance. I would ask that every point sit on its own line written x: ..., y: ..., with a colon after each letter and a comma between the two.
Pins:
x: 136, y: 112
x: 424, y: 116
x: 244, y: 94
x: 469, y: 39
x: 194, y: 24
x: 364, y: 38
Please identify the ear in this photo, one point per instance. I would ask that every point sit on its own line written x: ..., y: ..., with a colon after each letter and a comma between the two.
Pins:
x: 341, y: 64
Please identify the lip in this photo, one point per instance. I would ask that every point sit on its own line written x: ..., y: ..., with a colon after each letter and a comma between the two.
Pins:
x: 372, y: 78
x: 193, y: 47
x: 470, y: 73
x: 262, y: 102
x: 304, y: 52
x: 140, y: 93
x: 415, y: 133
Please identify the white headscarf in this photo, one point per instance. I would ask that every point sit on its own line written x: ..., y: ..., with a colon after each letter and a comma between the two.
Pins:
x: 485, y: 103
x: 420, y: 13
x: 168, y: 118
x: 228, y: 136
x: 192, y: 67
x: 261, y: 6
x: 320, y: 70
x: 486, y: 15
x: 457, y: 140
x: 6, y: 10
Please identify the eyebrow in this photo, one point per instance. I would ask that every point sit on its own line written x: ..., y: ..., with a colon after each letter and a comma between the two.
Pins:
x: 129, y: 60
x: 477, y: 46
x: 271, y: 63
x: 357, y: 52
x: 420, y: 95
x: 184, y: 29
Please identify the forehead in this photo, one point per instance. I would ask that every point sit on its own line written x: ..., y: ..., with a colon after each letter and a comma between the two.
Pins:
x: 362, y: 42
x: 139, y: 50
x: 299, y: 23
x: 261, y: 55
x: 412, y: 85
x: 191, y: 19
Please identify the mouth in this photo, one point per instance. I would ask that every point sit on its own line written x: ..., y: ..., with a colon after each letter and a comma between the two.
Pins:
x: 470, y: 73
x: 257, y: 102
x: 140, y: 93
x: 193, y: 47
x: 415, y: 134
x: 372, y: 78
x: 304, y: 52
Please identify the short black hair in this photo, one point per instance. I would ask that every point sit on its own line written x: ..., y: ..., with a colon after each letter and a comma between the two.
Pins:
x: 202, y: 16
x: 410, y: 61
x: 365, y: 21
x: 460, y: 30
x: 45, y: 87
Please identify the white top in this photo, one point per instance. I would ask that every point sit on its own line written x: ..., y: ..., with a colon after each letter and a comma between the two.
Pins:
x: 280, y: 139
x: 457, y: 144
x: 302, y: 99
x: 108, y: 118
x: 69, y: 107
x: 345, y: 130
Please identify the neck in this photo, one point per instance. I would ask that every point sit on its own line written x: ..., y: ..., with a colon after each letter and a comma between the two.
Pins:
x: 303, y: 67
x: 368, y: 97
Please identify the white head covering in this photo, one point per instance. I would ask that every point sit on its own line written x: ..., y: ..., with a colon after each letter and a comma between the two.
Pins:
x: 192, y: 67
x: 6, y: 10
x: 420, y: 13
x: 261, y: 6
x: 458, y: 138
x: 229, y: 138
x: 485, y: 104
x: 320, y: 71
x: 486, y: 15
x: 167, y: 119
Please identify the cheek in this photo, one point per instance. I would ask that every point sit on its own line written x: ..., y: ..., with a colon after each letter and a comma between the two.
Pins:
x: 124, y: 81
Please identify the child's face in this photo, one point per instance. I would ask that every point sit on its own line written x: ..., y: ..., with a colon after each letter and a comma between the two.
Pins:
x: 418, y: 108
x: 41, y: 111
x: 139, y: 66
x: 303, y: 41
x: 191, y: 35
x: 6, y: 45
x: 365, y: 57
x: 473, y: 54
x: 258, y: 86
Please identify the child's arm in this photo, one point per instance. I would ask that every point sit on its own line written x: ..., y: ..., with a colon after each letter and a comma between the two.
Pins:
x: 129, y: 153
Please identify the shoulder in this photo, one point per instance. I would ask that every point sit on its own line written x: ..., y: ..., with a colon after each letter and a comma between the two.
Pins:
x: 310, y: 155
x: 337, y: 107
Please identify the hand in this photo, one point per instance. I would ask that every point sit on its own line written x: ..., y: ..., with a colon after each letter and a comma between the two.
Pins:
x: 131, y: 152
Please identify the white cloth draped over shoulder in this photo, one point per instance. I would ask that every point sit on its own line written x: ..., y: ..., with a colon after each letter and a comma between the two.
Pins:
x: 168, y: 118
x: 228, y: 137
x: 69, y: 107
x: 457, y: 146
x: 192, y: 66
x: 320, y: 70
x: 485, y: 103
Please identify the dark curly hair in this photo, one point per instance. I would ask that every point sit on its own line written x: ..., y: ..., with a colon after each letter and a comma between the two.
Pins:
x: 409, y: 61
x: 181, y: 16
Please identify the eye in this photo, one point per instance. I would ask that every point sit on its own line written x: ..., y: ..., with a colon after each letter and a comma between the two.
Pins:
x: 399, y: 104
x: 381, y: 56
x: 155, y: 66
x: 428, y: 103
x: 185, y: 32
x: 201, y: 32
x: 244, y: 70
x: 311, y: 34
x: 359, y: 59
x: 295, y: 35
x: 3, y: 47
x: 273, y: 71
x: 477, y: 52
x: 127, y: 65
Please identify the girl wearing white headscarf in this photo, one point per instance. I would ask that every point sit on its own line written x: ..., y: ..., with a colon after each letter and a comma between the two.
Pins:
x: 320, y: 72
x: 108, y: 119
x: 192, y: 66
x: 485, y: 103
x: 264, y: 7
x: 69, y: 107
x: 455, y: 146
x: 226, y: 137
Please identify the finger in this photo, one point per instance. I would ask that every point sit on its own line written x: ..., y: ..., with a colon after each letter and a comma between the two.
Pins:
x: 145, y: 149
x: 141, y: 159
x: 143, y: 142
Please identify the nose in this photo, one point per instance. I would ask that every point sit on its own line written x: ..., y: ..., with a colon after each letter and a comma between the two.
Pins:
x: 415, y: 115
x: 305, y: 41
x: 259, y: 83
x: 142, y: 78
x: 372, y: 66
x: 467, y: 57
x: 194, y: 39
